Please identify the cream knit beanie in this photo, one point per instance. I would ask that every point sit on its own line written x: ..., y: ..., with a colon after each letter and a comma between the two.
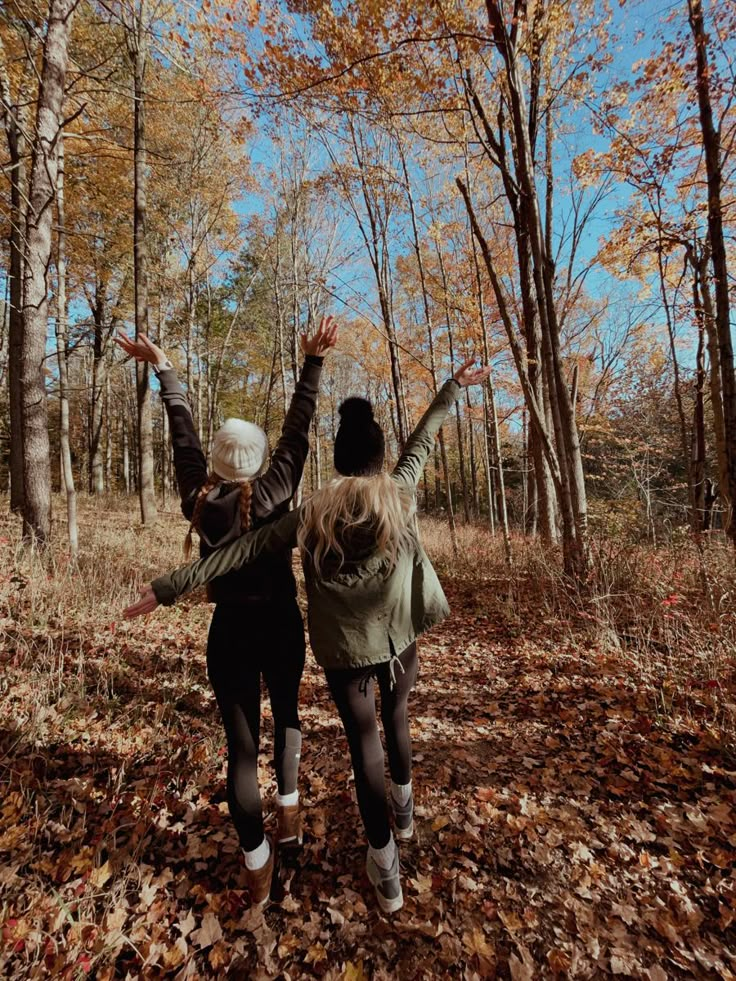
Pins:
x: 239, y: 450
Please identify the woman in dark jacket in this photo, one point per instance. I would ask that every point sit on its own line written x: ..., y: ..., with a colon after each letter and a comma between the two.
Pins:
x: 371, y: 591
x: 256, y: 629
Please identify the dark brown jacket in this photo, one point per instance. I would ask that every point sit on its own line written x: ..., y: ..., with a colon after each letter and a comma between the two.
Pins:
x: 220, y: 523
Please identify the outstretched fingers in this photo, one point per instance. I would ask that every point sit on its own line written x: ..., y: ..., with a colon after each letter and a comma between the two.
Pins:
x: 330, y: 332
x: 146, y: 604
x: 141, y: 348
x: 479, y: 375
x: 324, y: 338
x: 467, y: 374
x: 125, y: 342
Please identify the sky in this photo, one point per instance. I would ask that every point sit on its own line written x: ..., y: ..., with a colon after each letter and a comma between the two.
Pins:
x: 636, y: 24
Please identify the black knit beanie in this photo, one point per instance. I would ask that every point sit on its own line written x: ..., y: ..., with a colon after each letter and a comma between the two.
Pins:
x: 359, y: 444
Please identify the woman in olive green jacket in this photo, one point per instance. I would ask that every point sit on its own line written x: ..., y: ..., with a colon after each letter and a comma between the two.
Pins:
x: 371, y: 591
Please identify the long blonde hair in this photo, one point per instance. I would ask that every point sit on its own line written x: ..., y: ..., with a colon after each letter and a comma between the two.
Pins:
x: 246, y: 493
x: 376, y: 504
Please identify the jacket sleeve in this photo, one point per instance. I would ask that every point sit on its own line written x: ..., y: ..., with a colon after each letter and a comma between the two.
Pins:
x: 273, y: 537
x: 279, y: 483
x: 419, y: 445
x: 189, y: 460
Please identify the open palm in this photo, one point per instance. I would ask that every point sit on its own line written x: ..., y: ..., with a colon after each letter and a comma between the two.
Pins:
x: 324, y: 338
x: 140, y: 348
x: 467, y: 374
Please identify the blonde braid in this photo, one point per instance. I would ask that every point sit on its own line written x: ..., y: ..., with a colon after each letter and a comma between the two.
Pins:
x: 246, y: 495
x: 212, y: 481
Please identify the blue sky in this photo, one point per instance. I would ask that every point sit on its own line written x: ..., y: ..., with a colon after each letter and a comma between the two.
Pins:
x: 636, y: 24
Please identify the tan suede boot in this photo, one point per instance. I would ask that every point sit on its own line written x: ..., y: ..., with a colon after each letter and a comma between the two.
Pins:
x: 289, y: 832
x: 259, y: 881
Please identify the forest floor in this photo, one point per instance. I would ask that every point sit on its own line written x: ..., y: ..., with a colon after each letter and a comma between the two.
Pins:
x: 575, y: 781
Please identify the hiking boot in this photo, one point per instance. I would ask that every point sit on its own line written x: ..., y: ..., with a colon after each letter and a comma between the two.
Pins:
x: 289, y: 833
x: 386, y: 882
x: 259, y: 882
x: 403, y: 818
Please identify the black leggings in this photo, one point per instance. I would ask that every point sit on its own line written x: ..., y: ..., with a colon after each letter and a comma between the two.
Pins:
x: 353, y: 691
x: 245, y: 642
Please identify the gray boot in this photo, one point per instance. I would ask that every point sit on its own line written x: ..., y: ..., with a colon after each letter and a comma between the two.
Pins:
x: 386, y: 882
x: 403, y: 818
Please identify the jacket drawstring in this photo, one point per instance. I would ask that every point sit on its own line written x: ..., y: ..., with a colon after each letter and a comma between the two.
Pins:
x: 392, y: 669
x: 372, y: 673
x: 363, y: 683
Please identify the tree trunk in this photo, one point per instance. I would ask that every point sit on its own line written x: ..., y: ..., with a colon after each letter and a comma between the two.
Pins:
x: 448, y: 493
x: 4, y: 331
x: 490, y: 492
x: 137, y: 45
x: 316, y: 454
x: 536, y: 410
x: 496, y: 481
x: 208, y: 376
x: 543, y: 491
x: 430, y: 342
x: 494, y: 450
x: 714, y: 170
x: 164, y: 455
x: 61, y: 350
x: 697, y: 466
x: 495, y: 147
x: 280, y: 322
x: 99, y: 376
x: 42, y: 195
x: 126, y: 454
x: 192, y: 349
x: 574, y: 501
x: 704, y: 303
x: 196, y: 395
x: 271, y: 383
x: 458, y: 420
x: 108, y: 437
x: 685, y: 440
x: 16, y: 123
x: 471, y: 449
x: 375, y: 238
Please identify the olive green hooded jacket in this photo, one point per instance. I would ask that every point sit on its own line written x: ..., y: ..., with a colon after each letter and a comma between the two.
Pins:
x: 369, y: 610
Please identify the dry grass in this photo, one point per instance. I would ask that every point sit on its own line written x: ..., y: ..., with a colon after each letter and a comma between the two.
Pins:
x: 60, y: 622
x: 668, y: 611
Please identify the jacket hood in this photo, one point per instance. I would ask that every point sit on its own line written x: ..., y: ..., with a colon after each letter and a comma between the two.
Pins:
x: 220, y: 516
x: 358, y: 543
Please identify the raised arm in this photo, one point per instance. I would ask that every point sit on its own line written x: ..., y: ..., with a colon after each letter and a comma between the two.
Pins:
x: 167, y: 589
x: 279, y: 483
x: 189, y: 460
x: 419, y: 445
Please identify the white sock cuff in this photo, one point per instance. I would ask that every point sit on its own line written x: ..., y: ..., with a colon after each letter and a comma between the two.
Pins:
x: 287, y: 800
x: 384, y: 856
x: 258, y: 857
x: 401, y: 792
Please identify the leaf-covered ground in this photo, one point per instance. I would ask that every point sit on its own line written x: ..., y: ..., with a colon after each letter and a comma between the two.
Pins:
x: 564, y: 828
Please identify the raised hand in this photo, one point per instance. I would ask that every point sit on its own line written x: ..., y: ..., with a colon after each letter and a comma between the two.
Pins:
x: 322, y: 340
x: 146, y: 604
x: 142, y: 349
x: 467, y: 374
